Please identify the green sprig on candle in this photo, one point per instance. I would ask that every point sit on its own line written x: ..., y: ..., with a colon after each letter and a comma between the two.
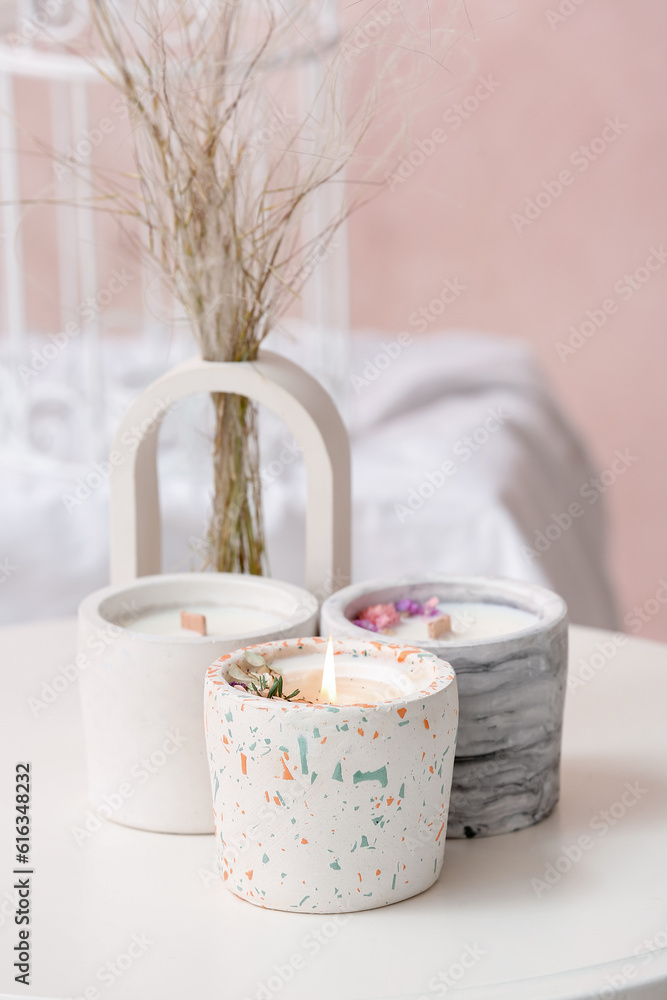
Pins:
x: 255, y: 674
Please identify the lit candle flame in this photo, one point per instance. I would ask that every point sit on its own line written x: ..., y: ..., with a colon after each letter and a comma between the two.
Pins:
x: 328, y: 688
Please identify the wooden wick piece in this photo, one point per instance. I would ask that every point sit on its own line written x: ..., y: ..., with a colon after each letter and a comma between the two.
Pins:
x: 437, y: 626
x: 193, y: 622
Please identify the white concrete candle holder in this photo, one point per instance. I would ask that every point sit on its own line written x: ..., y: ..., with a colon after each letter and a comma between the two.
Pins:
x: 142, y: 687
x: 324, y: 808
x: 511, y: 692
x: 142, y: 690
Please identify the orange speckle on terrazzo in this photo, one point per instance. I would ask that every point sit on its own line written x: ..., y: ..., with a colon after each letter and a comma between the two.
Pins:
x: 286, y: 775
x: 303, y: 840
x: 401, y: 711
x: 375, y: 734
x: 426, y: 725
x: 244, y: 762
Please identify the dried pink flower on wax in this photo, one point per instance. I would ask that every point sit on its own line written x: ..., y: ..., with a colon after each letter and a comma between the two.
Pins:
x: 381, y: 615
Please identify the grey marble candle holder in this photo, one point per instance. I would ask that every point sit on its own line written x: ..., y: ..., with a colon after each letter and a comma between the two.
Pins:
x: 511, y: 695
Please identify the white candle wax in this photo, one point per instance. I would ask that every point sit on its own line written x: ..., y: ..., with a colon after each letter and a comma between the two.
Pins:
x: 470, y: 620
x: 359, y: 680
x: 349, y: 690
x: 221, y: 619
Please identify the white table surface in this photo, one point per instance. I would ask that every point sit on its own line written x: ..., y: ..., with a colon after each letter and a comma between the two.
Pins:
x: 599, y: 932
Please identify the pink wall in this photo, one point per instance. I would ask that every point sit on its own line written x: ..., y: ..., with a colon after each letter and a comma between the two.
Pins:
x: 561, y: 70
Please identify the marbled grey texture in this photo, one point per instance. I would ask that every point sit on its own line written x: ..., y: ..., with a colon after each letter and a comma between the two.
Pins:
x: 511, y: 696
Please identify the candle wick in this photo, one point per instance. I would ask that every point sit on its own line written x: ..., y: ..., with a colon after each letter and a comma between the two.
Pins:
x: 193, y: 622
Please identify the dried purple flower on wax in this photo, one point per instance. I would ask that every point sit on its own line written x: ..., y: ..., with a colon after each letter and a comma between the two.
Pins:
x: 408, y: 606
x: 364, y: 623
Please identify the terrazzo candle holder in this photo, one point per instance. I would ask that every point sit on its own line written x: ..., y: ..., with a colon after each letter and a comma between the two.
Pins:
x: 328, y: 808
x: 511, y: 695
x: 141, y: 691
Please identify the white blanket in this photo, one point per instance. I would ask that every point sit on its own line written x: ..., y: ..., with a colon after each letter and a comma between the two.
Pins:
x: 462, y: 462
